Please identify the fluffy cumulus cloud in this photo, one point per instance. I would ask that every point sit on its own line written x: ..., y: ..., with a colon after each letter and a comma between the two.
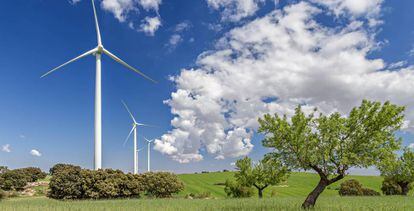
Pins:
x: 270, y: 65
x: 35, y: 153
x: 235, y: 10
x: 6, y: 148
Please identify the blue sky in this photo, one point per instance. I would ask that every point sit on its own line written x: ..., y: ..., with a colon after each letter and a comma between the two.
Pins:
x: 54, y: 115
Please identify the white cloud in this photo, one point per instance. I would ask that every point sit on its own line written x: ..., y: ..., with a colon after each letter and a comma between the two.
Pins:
x: 354, y: 7
x: 411, y: 146
x: 74, y: 1
x: 6, y: 148
x: 22, y: 136
x: 235, y: 10
x: 270, y: 65
x: 121, y: 9
x: 150, y: 4
x: 150, y: 25
x: 174, y: 40
x: 183, y: 26
x: 398, y: 64
x: 35, y: 152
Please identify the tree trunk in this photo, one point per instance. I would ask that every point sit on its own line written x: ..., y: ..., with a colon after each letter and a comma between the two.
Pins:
x: 313, y: 196
x: 404, y: 187
x: 260, y: 193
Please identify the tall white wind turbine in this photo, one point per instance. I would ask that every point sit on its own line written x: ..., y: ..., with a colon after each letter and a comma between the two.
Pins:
x: 135, y: 125
x: 148, y: 153
x: 97, y: 52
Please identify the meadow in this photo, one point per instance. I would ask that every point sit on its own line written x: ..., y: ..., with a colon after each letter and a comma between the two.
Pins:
x: 287, y: 196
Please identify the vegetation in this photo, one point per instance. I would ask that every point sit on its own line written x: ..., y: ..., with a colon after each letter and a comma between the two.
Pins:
x: 17, y: 179
x: 390, y: 187
x: 61, y: 166
x: 354, y: 188
x: 72, y: 182
x: 236, y: 190
x: 399, y: 171
x: 331, y: 145
x: 262, y: 175
x: 161, y: 184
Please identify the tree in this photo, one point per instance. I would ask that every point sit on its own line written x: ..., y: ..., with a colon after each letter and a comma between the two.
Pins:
x: 330, y: 145
x: 261, y: 175
x: 400, y: 170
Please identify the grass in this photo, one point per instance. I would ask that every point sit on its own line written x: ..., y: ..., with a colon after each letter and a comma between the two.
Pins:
x: 289, y: 196
x: 298, y: 184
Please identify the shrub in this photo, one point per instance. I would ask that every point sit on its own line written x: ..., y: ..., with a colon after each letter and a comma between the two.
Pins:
x: 161, y: 184
x: 369, y: 192
x: 235, y: 190
x: 350, y: 188
x: 66, y: 184
x: 32, y: 174
x: 72, y: 182
x: 61, y: 166
x: 390, y: 187
x: 12, y: 180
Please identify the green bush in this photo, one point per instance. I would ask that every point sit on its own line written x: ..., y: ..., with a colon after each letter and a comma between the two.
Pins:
x: 350, y: 188
x: 61, y: 166
x: 235, y: 190
x: 390, y: 187
x: 32, y: 174
x: 13, y: 180
x: 72, y: 182
x: 161, y: 184
x: 66, y: 184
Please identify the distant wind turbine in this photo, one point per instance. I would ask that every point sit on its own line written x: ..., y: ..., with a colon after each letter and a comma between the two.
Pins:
x: 135, y: 125
x: 148, y: 153
x: 97, y: 52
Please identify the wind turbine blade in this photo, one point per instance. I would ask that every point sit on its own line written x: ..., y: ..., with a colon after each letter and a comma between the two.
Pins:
x: 140, y: 149
x: 147, y: 139
x: 98, y: 32
x: 146, y: 125
x: 127, y: 65
x: 77, y: 58
x: 130, y: 113
x: 126, y: 140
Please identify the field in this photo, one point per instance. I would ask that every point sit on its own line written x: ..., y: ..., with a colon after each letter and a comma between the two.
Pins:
x: 289, y: 196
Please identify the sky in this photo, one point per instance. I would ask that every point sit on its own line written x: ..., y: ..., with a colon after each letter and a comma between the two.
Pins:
x: 220, y: 65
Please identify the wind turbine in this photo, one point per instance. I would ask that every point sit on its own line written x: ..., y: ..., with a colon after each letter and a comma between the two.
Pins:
x: 97, y: 52
x: 135, y: 125
x: 148, y: 153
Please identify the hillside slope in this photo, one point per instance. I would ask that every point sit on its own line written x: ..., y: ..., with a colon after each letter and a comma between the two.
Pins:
x: 298, y: 184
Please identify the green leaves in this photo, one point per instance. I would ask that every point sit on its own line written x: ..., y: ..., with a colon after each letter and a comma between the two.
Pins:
x: 332, y: 144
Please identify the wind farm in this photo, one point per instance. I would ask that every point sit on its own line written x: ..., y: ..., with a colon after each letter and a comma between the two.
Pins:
x: 206, y: 105
x: 97, y: 52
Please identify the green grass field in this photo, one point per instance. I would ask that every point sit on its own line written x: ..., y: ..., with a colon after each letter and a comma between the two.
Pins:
x: 289, y: 196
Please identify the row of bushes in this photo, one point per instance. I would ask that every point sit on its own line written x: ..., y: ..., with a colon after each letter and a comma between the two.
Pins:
x: 72, y: 182
x: 18, y: 178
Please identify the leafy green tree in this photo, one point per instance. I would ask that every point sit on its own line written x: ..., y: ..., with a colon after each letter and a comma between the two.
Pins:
x: 261, y: 175
x: 330, y: 145
x: 400, y: 170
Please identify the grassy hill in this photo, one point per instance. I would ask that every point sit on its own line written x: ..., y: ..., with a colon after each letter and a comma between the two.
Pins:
x: 289, y: 196
x: 298, y: 184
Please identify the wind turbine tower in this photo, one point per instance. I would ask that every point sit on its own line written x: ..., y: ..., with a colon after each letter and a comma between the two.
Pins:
x: 97, y: 52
